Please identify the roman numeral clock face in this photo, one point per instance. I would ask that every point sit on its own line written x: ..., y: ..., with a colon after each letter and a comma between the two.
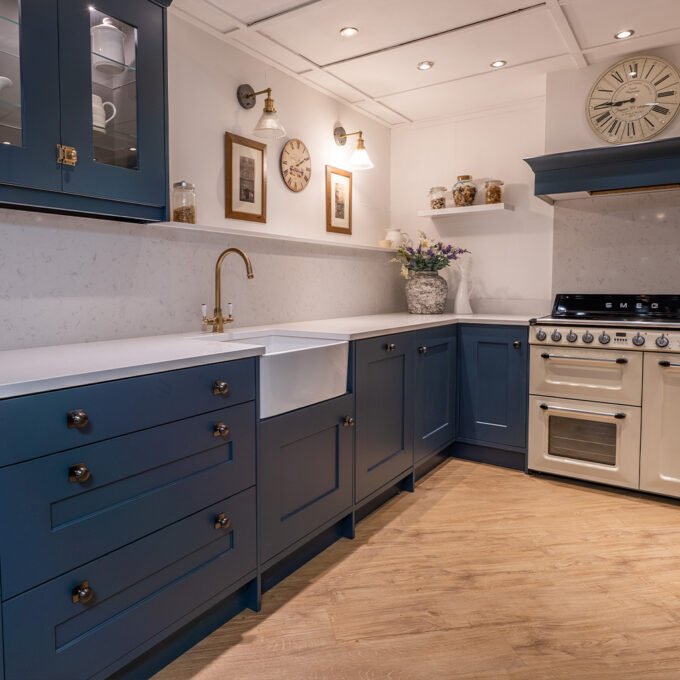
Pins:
x: 634, y: 100
x: 296, y: 165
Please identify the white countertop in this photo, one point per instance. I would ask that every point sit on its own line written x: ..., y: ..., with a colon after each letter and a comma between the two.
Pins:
x: 39, y: 369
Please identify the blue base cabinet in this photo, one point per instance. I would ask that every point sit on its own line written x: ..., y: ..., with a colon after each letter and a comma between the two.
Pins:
x: 493, y: 386
x: 305, y: 472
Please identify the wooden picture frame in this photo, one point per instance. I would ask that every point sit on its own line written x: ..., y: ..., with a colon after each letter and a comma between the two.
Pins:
x: 245, y: 175
x: 338, y: 201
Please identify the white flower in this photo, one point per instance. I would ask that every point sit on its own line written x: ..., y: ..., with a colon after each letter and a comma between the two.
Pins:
x: 404, y: 271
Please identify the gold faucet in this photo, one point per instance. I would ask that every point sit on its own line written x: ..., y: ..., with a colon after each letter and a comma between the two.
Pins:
x: 218, y: 320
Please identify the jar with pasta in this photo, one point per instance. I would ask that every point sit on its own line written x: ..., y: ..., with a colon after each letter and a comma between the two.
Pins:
x: 184, y: 202
x: 437, y: 198
x: 464, y: 191
x: 494, y: 191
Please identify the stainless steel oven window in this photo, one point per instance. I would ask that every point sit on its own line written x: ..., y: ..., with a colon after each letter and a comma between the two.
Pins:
x: 578, y: 439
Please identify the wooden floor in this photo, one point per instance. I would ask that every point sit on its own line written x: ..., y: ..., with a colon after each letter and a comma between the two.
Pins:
x: 482, y: 574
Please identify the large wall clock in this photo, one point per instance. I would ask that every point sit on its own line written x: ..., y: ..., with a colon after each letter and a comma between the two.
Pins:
x: 634, y: 100
x: 296, y: 166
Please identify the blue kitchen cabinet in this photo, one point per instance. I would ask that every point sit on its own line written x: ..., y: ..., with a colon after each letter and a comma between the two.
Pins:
x: 493, y: 386
x: 305, y: 472
x: 83, y: 124
x: 384, y: 411
x: 434, y: 402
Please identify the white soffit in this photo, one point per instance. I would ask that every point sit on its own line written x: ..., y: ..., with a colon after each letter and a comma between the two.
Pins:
x: 207, y: 14
x: 334, y: 85
x: 270, y: 51
x: 383, y: 112
x: 250, y: 11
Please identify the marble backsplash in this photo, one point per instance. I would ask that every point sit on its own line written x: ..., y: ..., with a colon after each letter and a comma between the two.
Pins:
x: 618, y: 244
x: 68, y: 279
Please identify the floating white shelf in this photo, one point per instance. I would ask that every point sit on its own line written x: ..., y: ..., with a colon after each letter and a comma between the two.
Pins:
x: 442, y: 212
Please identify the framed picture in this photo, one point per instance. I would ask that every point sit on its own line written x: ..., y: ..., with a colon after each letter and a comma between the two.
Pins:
x: 246, y: 178
x: 338, y: 201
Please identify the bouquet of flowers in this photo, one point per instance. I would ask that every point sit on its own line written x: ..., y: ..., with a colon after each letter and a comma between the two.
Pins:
x: 428, y: 256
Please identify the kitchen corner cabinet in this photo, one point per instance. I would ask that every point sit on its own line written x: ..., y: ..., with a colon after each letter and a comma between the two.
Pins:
x: 83, y: 121
x: 493, y: 386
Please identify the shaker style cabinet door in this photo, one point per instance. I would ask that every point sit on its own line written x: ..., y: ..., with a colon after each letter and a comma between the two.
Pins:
x: 29, y: 94
x: 384, y: 427
x: 493, y: 386
x: 435, y: 391
x: 112, y: 65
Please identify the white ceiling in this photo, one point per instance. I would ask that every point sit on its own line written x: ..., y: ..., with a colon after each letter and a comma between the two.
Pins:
x: 376, y: 70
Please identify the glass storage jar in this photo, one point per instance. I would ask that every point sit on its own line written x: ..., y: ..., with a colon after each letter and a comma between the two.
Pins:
x: 184, y: 202
x: 437, y: 198
x: 494, y: 191
x: 464, y: 191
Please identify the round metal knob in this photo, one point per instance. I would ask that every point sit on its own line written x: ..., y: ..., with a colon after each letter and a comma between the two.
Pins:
x: 541, y: 335
x: 220, y: 388
x: 662, y: 341
x: 221, y: 430
x: 222, y: 522
x: 348, y: 421
x: 390, y: 347
x: 587, y: 337
x: 77, y: 419
x: 79, y: 474
x: 604, y: 339
x: 82, y: 594
x: 638, y: 340
x: 556, y: 336
x: 572, y: 337
x: 517, y: 344
x: 423, y: 349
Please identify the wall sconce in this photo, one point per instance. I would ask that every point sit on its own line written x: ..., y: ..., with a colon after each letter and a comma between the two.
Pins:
x: 360, y: 159
x: 269, y: 126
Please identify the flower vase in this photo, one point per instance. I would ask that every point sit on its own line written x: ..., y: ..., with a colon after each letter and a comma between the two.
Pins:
x: 426, y: 293
x: 461, y: 303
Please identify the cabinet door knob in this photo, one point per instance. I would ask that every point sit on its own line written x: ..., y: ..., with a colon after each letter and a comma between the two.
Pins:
x: 79, y: 474
x: 517, y: 344
x: 82, y: 594
x: 348, y: 421
x: 221, y: 430
x: 77, y: 419
x: 423, y: 349
x: 390, y: 347
x: 222, y: 522
x: 220, y: 388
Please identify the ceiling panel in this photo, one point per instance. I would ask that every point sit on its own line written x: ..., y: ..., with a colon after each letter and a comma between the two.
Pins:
x: 518, y: 39
x: 207, y: 14
x: 481, y: 92
x: 596, y: 21
x: 382, y: 112
x: 270, y: 51
x: 249, y: 11
x: 337, y: 87
x: 314, y: 31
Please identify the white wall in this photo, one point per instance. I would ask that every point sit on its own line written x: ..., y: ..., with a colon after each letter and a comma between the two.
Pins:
x: 511, y: 251
x: 567, y: 126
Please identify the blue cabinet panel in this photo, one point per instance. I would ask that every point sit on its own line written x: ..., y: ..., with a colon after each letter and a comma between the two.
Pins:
x: 493, y: 385
x: 139, y: 591
x: 304, y: 472
x: 37, y: 425
x: 2, y: 661
x: 434, y: 402
x: 139, y: 483
x: 384, y: 408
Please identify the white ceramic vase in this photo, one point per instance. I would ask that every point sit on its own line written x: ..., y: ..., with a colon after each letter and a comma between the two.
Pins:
x: 461, y: 303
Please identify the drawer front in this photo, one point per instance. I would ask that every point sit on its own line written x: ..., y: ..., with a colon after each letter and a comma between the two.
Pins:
x: 38, y: 424
x: 139, y: 483
x: 139, y: 591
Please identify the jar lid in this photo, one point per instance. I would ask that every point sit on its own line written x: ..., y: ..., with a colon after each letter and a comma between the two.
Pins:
x: 438, y: 189
x: 499, y: 182
x: 183, y: 185
x: 464, y: 178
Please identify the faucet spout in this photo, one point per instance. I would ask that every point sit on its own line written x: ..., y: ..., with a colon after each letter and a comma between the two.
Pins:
x: 218, y: 319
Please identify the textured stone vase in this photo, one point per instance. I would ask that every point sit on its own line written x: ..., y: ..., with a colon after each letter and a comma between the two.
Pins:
x: 426, y: 293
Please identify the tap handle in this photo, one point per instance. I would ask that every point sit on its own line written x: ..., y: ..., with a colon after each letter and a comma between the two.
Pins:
x: 204, y: 311
x: 230, y: 309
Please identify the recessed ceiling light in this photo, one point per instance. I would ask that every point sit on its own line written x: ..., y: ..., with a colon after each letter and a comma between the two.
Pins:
x: 499, y: 63
x: 623, y: 35
x: 348, y: 31
x: 425, y: 65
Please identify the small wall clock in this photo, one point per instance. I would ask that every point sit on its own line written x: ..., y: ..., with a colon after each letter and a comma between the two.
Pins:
x: 634, y: 100
x: 296, y: 165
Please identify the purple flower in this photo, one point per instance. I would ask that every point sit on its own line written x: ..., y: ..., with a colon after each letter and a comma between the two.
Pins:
x: 430, y: 252
x: 410, y: 250
x: 448, y: 249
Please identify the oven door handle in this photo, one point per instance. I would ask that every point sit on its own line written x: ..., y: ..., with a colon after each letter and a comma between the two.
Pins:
x: 618, y: 360
x: 564, y: 409
x: 668, y: 364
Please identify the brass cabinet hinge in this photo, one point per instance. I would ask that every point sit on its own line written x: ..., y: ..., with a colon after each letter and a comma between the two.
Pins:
x: 66, y: 155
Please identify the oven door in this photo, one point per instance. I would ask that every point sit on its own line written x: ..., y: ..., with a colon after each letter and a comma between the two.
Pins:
x: 594, y: 374
x: 586, y: 440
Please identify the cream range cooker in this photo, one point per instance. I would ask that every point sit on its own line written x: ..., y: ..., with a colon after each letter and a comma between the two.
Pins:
x: 604, y: 399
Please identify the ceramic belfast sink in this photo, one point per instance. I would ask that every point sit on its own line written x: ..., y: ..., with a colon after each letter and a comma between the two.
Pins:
x: 298, y: 371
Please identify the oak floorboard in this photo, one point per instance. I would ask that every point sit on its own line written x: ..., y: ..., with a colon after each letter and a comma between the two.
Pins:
x: 482, y: 574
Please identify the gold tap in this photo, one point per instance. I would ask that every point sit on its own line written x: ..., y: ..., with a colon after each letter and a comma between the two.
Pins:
x: 218, y: 320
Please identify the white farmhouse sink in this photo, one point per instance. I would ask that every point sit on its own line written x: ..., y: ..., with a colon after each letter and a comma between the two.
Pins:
x: 297, y: 371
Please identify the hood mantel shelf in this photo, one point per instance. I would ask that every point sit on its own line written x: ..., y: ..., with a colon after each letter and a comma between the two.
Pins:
x: 646, y: 166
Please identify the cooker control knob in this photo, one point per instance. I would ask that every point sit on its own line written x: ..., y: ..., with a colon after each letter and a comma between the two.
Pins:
x: 587, y: 337
x: 541, y: 335
x: 604, y: 339
x: 572, y: 337
x: 556, y: 336
x: 662, y: 341
x: 638, y: 340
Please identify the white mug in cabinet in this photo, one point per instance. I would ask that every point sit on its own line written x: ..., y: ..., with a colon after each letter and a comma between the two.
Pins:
x: 99, y: 119
x: 108, y: 47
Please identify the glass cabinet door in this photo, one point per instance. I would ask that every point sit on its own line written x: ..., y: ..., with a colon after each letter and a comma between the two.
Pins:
x: 113, y: 99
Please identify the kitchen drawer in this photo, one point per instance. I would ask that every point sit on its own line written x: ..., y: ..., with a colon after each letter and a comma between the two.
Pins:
x: 139, y: 483
x: 139, y: 591
x: 37, y: 425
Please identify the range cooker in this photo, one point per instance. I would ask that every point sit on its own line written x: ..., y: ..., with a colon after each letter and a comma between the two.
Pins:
x: 605, y: 391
